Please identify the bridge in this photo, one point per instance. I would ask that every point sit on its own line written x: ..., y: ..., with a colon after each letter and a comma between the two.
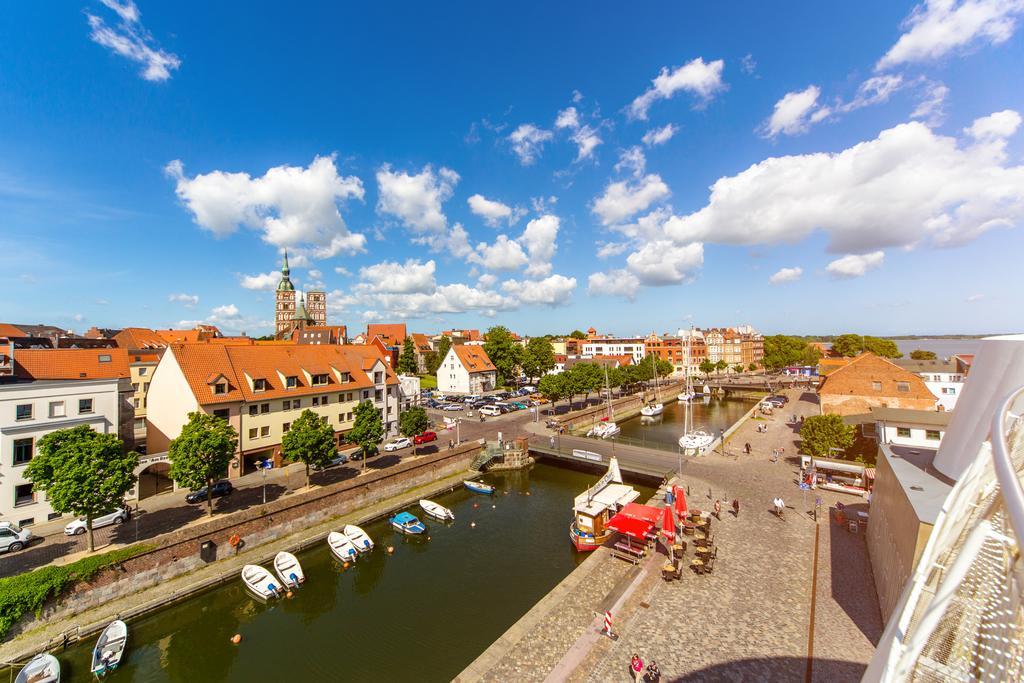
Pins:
x: 755, y: 383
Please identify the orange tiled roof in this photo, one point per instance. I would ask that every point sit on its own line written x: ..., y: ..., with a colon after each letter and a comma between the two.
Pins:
x: 473, y: 358
x: 71, y: 363
x: 393, y: 334
x: 139, y: 338
x: 202, y: 363
x: 857, y: 378
x: 8, y: 330
x: 420, y: 341
x: 178, y: 336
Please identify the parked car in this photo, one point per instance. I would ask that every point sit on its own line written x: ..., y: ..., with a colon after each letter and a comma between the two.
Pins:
x: 780, y: 397
x: 519, y: 405
x: 490, y: 411
x: 339, y: 459
x: 13, y: 537
x: 77, y: 526
x: 397, y: 444
x: 775, y: 401
x: 529, y: 389
x: 425, y: 437
x: 451, y: 406
x: 221, y: 488
x: 431, y: 403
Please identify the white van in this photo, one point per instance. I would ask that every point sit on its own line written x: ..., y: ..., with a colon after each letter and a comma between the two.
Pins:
x: 13, y: 537
x: 490, y: 411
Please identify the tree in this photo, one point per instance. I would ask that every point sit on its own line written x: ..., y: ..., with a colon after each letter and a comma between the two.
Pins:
x: 443, y: 346
x: 577, y: 334
x: 752, y: 367
x: 367, y: 429
x: 83, y: 472
x: 707, y: 367
x: 504, y: 353
x: 720, y: 365
x: 538, y: 357
x: 855, y: 344
x: 413, y: 422
x: 781, y: 350
x: 553, y: 387
x: 819, y: 434
x: 921, y: 354
x: 309, y: 441
x: 738, y: 368
x: 407, y: 361
x: 202, y: 453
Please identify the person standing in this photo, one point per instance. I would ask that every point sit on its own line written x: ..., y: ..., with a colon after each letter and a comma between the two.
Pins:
x: 718, y: 509
x: 746, y: 447
x: 637, y: 666
x: 736, y: 506
x: 653, y: 673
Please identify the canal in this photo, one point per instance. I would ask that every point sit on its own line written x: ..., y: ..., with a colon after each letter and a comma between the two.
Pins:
x: 422, y: 614
x: 709, y: 414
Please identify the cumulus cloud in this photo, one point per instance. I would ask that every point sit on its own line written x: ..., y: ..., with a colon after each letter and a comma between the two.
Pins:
x: 342, y: 270
x: 528, y: 141
x: 494, y: 212
x: 855, y: 265
x: 795, y: 113
x: 503, y: 255
x: 609, y: 249
x: 931, y: 107
x: 131, y: 40
x: 551, y: 291
x: 786, y: 275
x: 586, y: 137
x: 226, y: 312
x: 937, y: 27
x: 624, y: 199
x: 412, y: 276
x: 264, y: 282
x: 997, y: 126
x: 659, y: 136
x: 540, y: 239
x: 700, y: 78
x: 568, y: 118
x: 907, y: 186
x: 632, y: 160
x: 874, y: 90
x: 617, y: 282
x: 416, y: 199
x: 292, y: 206
x: 186, y: 299
x: 665, y: 262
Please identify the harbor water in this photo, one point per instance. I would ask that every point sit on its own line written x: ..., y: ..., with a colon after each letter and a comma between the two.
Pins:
x: 709, y: 414
x: 422, y: 613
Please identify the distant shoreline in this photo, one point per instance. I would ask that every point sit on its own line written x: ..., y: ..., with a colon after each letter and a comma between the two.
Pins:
x: 908, y: 337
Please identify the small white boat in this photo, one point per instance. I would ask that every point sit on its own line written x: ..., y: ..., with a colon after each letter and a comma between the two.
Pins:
x: 604, y: 430
x: 478, y: 487
x: 359, y: 538
x: 342, y: 547
x: 685, y: 396
x: 110, y: 648
x: 652, y: 410
x: 437, y: 511
x: 706, y: 391
x: 697, y: 442
x: 288, y: 569
x: 43, y: 668
x: 260, y: 581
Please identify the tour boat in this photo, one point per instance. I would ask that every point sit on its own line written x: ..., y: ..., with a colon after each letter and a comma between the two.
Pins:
x: 359, y: 538
x: 341, y: 546
x: 594, y: 507
x: 110, y: 648
x: 478, y: 487
x: 288, y: 569
x: 405, y: 523
x: 260, y: 581
x: 437, y: 511
x: 43, y: 668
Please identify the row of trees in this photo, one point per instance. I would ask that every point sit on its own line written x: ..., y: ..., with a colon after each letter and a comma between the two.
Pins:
x: 782, y: 350
x: 585, y: 378
x: 855, y: 344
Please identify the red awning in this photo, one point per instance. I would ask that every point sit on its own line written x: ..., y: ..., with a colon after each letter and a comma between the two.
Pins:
x: 643, y: 512
x: 631, y: 526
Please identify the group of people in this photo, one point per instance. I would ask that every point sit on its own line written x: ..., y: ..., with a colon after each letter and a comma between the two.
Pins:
x: 636, y: 666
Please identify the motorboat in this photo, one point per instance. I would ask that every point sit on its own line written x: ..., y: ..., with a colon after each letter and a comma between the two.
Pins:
x: 359, y: 538
x: 43, y: 668
x: 696, y: 442
x: 405, y: 523
x: 288, y: 569
x: 593, y: 508
x: 342, y: 547
x: 260, y: 581
x: 110, y: 647
x: 685, y: 397
x: 604, y: 430
x: 436, y: 511
x: 478, y: 487
x: 652, y: 409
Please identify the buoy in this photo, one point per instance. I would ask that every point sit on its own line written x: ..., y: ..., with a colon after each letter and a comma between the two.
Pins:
x: 493, y: 507
x: 288, y: 594
x: 472, y: 524
x: 234, y: 540
x: 237, y: 638
x: 391, y: 549
x: 344, y: 565
x: 476, y: 505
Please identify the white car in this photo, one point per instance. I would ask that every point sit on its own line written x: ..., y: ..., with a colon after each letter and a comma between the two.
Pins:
x: 13, y: 537
x: 398, y: 444
x: 77, y: 526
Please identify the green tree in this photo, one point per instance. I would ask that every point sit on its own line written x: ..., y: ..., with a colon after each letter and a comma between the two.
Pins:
x: 443, y: 346
x: 720, y: 365
x: 538, y: 357
x: 921, y: 354
x: 553, y: 387
x: 202, y: 453
x: 83, y: 472
x: 738, y: 368
x: 707, y: 367
x: 752, y: 367
x: 413, y: 422
x: 819, y: 434
x: 855, y: 344
x: 309, y: 441
x: 504, y: 353
x: 781, y: 350
x: 407, y: 361
x: 367, y: 429
x: 577, y: 334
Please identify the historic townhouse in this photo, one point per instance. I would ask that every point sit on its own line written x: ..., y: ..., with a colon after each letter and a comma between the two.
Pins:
x: 466, y: 370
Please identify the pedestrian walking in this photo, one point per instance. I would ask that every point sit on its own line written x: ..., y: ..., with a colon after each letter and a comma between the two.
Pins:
x: 552, y: 441
x: 653, y: 673
x: 718, y: 509
x: 637, y: 666
x: 746, y: 447
x: 736, y: 507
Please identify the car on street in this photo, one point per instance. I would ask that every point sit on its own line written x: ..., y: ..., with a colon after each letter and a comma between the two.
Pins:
x: 451, y: 406
x: 339, y: 459
x: 77, y: 526
x: 425, y: 437
x: 220, y: 488
x: 431, y: 403
x: 519, y: 405
x: 490, y: 411
x: 397, y: 444
x: 13, y: 538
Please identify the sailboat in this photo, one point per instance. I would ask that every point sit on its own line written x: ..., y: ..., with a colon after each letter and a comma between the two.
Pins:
x: 693, y: 441
x: 656, y: 408
x: 688, y: 392
x: 607, y: 428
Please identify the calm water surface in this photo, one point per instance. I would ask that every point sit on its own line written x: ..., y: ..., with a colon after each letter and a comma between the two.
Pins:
x: 421, y: 614
x: 710, y: 414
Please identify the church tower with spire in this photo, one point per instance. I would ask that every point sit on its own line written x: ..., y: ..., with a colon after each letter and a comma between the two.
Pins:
x: 284, y: 313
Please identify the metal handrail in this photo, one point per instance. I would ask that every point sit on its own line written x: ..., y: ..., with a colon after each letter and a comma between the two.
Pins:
x: 1012, y: 492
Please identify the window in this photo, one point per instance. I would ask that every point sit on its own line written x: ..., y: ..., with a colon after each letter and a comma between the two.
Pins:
x: 220, y: 388
x: 104, y: 358
x: 949, y: 391
x: 291, y: 382
x: 903, y: 432
x: 296, y: 404
x: 264, y: 432
x: 932, y: 434
x: 324, y: 400
x: 366, y: 394
x: 135, y: 402
x: 135, y: 386
x: 341, y: 417
x: 287, y: 405
x: 23, y: 412
x: 84, y: 406
x: 378, y: 377
x: 319, y: 380
x: 877, y: 386
x: 22, y: 451
x: 254, y: 411
x: 903, y: 386
x: 222, y: 413
x: 145, y: 387
x: 253, y: 432
x: 316, y: 400
x: 29, y: 521
x: 285, y: 427
x: 348, y: 396
x: 142, y: 371
x: 24, y: 495
x: 259, y: 385
x: 57, y: 409
x: 52, y: 516
x: 264, y: 408
x: 378, y: 395
x: 348, y: 416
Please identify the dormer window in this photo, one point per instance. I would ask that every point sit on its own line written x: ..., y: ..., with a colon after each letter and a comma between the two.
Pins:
x: 259, y: 384
x: 346, y: 377
x: 319, y: 380
x: 378, y: 377
x: 291, y: 381
x: 220, y: 388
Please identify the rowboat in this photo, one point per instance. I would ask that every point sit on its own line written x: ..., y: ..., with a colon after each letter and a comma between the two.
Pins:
x: 342, y: 547
x: 260, y: 581
x: 359, y: 538
x: 404, y: 523
x: 43, y: 668
x: 437, y: 511
x: 478, y: 487
x: 288, y: 569
x: 110, y: 648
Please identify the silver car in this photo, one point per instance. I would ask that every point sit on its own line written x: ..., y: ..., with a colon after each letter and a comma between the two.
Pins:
x: 77, y: 526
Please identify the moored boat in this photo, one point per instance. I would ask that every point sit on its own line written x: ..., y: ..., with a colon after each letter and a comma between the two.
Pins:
x: 652, y: 410
x: 342, y: 547
x: 437, y: 511
x: 43, y: 668
x: 405, y: 523
x: 685, y: 396
x: 260, y: 581
x: 696, y: 442
x: 359, y: 538
x: 110, y: 648
x: 478, y: 487
x: 288, y: 569
x: 595, y: 506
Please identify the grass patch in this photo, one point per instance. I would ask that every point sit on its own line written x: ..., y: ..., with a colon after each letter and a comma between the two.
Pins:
x: 28, y: 592
x: 428, y: 382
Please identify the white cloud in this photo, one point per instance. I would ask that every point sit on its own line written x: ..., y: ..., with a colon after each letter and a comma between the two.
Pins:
x: 453, y: 298
x: 609, y: 249
x: 585, y: 137
x: 747, y: 64
x: 554, y: 290
x: 527, y: 142
x: 342, y: 270
x: 577, y: 96
x: 786, y: 275
x: 226, y: 312
x: 931, y: 108
x: 874, y: 90
x: 659, y: 136
x: 264, y: 282
x: 647, y: 227
x: 397, y: 278
x: 416, y: 199
x: 696, y: 77
x: 131, y: 40
x: 540, y: 239
x: 855, y: 265
x: 493, y: 212
x: 486, y: 281
x: 568, y: 118
x: 632, y: 160
x: 614, y: 283
x: 290, y: 205
x: 974, y: 297
x: 997, y: 126
x: 315, y: 274
x: 503, y: 255
x: 624, y: 199
x: 938, y: 27
x: 102, y: 302
x: 457, y: 242
x: 795, y: 113
x: 907, y: 186
x: 665, y: 262
x: 187, y: 299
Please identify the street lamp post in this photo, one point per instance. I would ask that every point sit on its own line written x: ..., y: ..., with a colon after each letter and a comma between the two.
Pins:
x: 264, y: 466
x: 458, y: 431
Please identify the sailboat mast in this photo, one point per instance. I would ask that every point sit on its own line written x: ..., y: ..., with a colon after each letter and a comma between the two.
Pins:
x: 608, y: 390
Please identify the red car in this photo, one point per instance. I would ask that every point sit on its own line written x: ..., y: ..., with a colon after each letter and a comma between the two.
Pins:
x: 425, y: 437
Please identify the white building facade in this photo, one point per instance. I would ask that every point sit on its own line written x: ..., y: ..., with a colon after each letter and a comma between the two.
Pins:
x: 466, y: 370
x: 615, y: 347
x: 941, y: 377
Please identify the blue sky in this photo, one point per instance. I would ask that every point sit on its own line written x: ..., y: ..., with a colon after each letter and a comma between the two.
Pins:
x: 639, y: 167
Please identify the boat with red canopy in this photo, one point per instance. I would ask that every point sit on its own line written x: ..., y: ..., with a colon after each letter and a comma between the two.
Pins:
x: 594, y: 507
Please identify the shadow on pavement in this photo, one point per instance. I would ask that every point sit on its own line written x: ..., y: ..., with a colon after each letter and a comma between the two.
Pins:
x: 39, y: 553
x: 158, y: 522
x: 243, y: 499
x: 335, y: 475
x: 384, y: 461
x: 776, y: 669
x: 853, y: 585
